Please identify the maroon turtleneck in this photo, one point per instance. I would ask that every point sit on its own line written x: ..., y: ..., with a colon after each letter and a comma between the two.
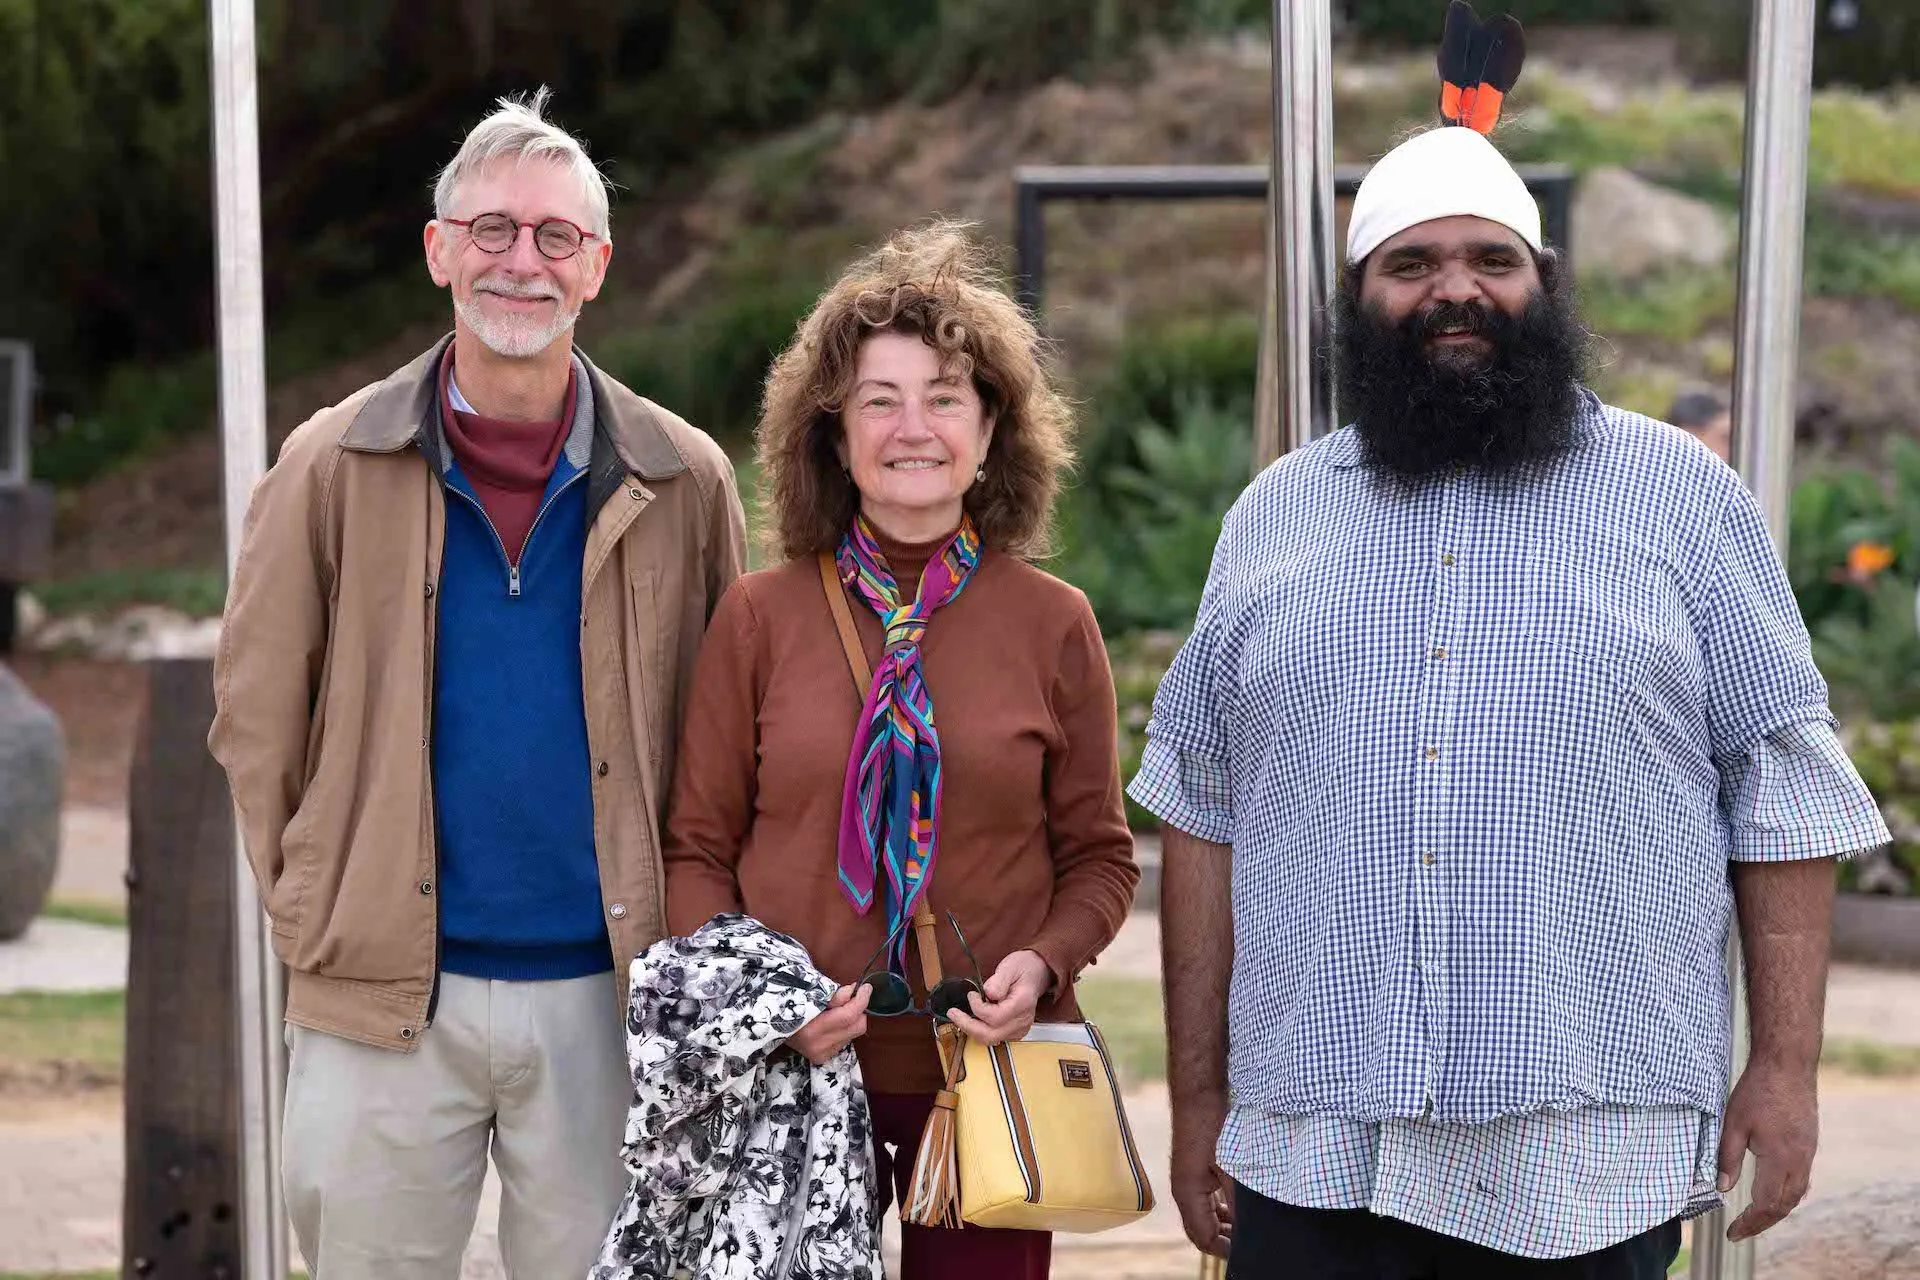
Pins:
x: 507, y: 463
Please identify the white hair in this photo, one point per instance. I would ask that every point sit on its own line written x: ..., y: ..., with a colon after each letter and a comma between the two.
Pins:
x: 516, y: 131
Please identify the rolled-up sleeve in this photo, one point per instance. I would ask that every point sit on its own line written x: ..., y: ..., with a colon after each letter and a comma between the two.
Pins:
x: 1787, y: 788
x: 1796, y: 795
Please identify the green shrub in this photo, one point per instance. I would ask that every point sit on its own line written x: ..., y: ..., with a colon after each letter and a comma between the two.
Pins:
x: 1138, y: 536
x: 709, y: 366
x: 1140, y: 659
x: 1886, y: 751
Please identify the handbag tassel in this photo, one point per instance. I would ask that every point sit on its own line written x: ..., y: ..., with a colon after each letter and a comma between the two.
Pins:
x: 933, y: 1199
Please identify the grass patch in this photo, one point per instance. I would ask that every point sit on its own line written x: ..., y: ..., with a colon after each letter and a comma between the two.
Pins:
x: 80, y: 1030
x: 86, y: 911
x: 1871, y: 1058
x: 199, y: 593
x: 1128, y: 1013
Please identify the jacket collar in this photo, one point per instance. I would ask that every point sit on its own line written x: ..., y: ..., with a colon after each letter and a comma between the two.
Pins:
x: 404, y: 411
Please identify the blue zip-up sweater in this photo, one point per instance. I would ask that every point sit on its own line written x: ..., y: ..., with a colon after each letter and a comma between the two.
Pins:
x: 513, y: 792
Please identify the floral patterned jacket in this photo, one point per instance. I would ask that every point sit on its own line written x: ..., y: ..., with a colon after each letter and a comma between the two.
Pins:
x: 749, y: 1162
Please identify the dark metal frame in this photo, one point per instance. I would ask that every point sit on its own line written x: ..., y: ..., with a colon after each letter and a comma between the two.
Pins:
x: 1035, y: 185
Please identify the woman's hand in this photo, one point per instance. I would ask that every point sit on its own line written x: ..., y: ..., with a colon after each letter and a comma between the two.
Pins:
x: 1013, y: 992
x: 845, y: 1021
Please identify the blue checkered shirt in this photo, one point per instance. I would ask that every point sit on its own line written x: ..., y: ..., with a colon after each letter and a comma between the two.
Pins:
x: 1483, y: 752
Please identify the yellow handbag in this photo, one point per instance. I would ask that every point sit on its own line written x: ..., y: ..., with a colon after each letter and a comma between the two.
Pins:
x: 1032, y: 1134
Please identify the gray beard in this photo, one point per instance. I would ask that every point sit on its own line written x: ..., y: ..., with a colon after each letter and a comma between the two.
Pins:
x: 514, y: 337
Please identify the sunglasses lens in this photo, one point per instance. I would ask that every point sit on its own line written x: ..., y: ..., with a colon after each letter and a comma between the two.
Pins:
x: 891, y: 996
x: 950, y: 995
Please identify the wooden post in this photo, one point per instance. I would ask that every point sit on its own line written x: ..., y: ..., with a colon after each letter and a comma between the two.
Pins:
x: 182, y: 1215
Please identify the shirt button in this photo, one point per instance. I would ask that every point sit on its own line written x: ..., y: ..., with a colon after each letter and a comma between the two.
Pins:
x: 618, y: 911
x: 406, y: 1033
x: 1440, y: 655
x: 602, y: 770
x: 1432, y: 753
x: 1428, y: 859
x: 1446, y: 558
x: 429, y: 591
x: 635, y: 494
x: 426, y: 886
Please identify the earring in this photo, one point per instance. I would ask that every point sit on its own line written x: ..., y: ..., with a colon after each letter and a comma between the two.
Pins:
x: 980, y: 475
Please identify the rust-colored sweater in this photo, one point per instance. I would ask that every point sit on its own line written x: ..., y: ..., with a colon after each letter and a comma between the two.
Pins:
x: 1034, y: 850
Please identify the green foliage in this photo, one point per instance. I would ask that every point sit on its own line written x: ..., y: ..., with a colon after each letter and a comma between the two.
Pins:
x: 1848, y: 262
x: 198, y: 593
x: 709, y: 366
x: 1886, y: 751
x: 1676, y: 305
x: 1873, y: 662
x: 1139, y: 659
x: 105, y: 147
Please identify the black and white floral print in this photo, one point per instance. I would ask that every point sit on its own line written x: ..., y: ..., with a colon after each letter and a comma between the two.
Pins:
x: 749, y: 1162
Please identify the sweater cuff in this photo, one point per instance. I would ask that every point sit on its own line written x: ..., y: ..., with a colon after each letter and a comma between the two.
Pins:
x: 1068, y: 946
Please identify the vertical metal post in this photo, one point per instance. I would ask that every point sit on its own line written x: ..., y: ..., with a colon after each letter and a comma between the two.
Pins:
x: 1766, y: 364
x: 243, y: 429
x: 1297, y: 375
x: 1030, y: 245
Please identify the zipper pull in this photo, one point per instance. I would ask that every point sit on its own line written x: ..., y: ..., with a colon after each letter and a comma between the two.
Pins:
x: 513, y: 580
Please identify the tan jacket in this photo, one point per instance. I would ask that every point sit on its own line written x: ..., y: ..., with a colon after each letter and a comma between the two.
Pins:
x: 323, y: 682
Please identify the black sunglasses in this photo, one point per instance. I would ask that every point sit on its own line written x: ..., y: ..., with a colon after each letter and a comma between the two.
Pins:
x: 892, y: 996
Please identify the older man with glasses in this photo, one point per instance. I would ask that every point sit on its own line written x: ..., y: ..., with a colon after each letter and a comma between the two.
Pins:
x: 449, y: 690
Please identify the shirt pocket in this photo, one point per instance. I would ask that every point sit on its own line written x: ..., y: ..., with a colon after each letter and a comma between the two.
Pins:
x: 1602, y: 609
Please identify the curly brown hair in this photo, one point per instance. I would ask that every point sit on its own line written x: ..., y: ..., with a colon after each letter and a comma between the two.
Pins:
x: 937, y: 282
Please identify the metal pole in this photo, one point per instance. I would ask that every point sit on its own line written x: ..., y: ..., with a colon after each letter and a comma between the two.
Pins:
x: 1766, y: 361
x: 1300, y: 236
x: 243, y: 429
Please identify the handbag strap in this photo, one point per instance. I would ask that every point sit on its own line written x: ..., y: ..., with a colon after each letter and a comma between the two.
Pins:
x: 925, y: 933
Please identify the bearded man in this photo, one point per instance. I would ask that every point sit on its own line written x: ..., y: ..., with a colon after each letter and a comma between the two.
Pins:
x: 449, y: 687
x: 1497, y: 714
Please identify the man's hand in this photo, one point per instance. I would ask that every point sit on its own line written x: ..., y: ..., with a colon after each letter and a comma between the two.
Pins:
x: 1012, y: 994
x: 1775, y: 1113
x: 828, y: 1033
x: 1203, y: 1194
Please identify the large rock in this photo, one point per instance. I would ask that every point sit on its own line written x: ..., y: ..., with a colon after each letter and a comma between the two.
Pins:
x: 33, y: 756
x: 1627, y: 227
x: 1870, y: 1234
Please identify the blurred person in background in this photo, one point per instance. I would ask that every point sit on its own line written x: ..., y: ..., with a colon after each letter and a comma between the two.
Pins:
x: 449, y: 684
x: 912, y: 436
x: 1705, y: 417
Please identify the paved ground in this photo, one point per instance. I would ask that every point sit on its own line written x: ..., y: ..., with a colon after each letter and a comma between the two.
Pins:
x: 64, y: 955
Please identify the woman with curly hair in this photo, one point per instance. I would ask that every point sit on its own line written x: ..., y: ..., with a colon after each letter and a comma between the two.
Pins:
x: 911, y: 434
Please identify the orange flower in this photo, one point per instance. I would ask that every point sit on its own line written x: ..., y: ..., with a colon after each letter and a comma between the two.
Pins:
x: 1866, y: 559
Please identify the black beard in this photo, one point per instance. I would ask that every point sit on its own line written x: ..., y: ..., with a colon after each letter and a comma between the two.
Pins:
x: 1502, y: 412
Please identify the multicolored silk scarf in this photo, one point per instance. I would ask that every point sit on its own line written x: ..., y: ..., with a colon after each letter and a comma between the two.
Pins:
x: 890, y: 809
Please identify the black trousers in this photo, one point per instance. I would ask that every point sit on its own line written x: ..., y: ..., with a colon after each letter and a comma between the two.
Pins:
x: 1273, y: 1241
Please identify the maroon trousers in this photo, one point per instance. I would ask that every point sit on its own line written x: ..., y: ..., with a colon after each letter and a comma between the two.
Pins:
x: 937, y: 1253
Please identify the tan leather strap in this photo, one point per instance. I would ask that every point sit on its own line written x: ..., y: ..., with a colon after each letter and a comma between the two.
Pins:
x: 925, y: 932
x: 843, y: 621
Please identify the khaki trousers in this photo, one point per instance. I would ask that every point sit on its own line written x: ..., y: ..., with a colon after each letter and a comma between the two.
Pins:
x: 385, y: 1153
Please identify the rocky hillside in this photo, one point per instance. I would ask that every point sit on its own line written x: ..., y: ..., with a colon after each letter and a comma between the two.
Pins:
x: 1653, y: 241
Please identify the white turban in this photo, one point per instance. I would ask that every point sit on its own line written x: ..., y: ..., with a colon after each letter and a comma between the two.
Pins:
x: 1447, y: 172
